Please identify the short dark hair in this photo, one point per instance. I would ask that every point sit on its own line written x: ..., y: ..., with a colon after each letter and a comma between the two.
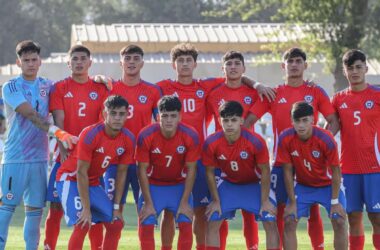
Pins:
x: 353, y: 55
x: 301, y: 109
x: 231, y: 108
x: 27, y: 46
x: 131, y: 49
x: 233, y: 55
x: 183, y: 49
x: 294, y: 52
x: 115, y: 101
x: 2, y: 117
x: 169, y: 103
x: 79, y: 48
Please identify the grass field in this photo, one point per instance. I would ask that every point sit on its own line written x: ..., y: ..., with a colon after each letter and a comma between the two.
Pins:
x: 129, y: 239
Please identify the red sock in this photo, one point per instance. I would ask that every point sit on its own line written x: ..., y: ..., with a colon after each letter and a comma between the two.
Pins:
x: 223, y: 232
x: 251, y: 230
x: 356, y: 242
x: 77, y: 237
x: 315, y: 228
x: 166, y: 247
x: 280, y: 221
x: 212, y: 248
x: 200, y: 247
x: 376, y: 241
x: 185, y: 237
x: 146, y: 235
x: 113, y: 233
x: 52, y: 227
x: 95, y: 235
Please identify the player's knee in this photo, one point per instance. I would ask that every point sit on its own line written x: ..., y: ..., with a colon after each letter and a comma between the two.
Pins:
x: 213, y: 227
x: 270, y: 227
x: 339, y: 224
x: 375, y: 221
x: 168, y: 217
x: 355, y: 220
x: 290, y: 225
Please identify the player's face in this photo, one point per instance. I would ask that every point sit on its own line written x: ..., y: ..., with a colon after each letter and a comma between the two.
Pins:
x: 115, y: 118
x: 29, y: 63
x: 131, y: 64
x: 294, y: 67
x: 231, y: 125
x: 303, y: 126
x: 233, y: 69
x: 169, y: 121
x: 79, y: 63
x: 356, y: 72
x: 184, y: 65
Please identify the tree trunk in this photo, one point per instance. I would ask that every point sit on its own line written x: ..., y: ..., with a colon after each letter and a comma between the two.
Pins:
x: 340, y: 80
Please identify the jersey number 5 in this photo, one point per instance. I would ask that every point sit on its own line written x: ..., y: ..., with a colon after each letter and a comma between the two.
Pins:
x: 357, y: 118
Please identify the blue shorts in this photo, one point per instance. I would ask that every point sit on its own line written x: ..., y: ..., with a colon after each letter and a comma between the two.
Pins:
x: 278, y: 184
x: 361, y: 189
x: 201, y: 194
x: 165, y: 197
x: 25, y: 181
x: 307, y: 196
x: 110, y: 181
x: 241, y: 196
x: 52, y: 194
x: 101, y: 207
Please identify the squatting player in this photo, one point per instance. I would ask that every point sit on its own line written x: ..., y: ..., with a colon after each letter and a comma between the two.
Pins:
x: 75, y: 102
x: 358, y: 108
x: 312, y: 154
x: 24, y: 169
x: 84, y: 200
x: 293, y: 90
x: 166, y: 153
x: 245, y: 180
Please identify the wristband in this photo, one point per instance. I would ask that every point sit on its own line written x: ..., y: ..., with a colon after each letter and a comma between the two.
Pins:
x: 116, y: 206
x: 334, y: 201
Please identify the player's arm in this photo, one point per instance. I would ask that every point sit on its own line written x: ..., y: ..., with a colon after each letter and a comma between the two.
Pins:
x: 148, y: 208
x: 266, y: 205
x: 332, y: 123
x: 59, y: 118
x: 291, y: 208
x: 184, y: 207
x: 262, y: 89
x: 121, y: 176
x: 83, y: 186
x: 214, y: 206
x: 336, y: 207
x: 250, y: 120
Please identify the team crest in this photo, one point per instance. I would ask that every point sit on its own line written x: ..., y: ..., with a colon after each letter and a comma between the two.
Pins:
x: 93, y: 95
x: 143, y: 99
x: 180, y: 149
x: 43, y: 93
x: 120, y: 151
x: 247, y: 100
x: 55, y: 194
x: 316, y: 153
x: 369, y: 104
x: 244, y: 155
x: 308, y: 98
x: 9, y: 196
x: 200, y: 93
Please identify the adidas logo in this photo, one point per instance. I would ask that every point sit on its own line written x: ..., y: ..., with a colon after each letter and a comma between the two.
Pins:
x: 156, y: 151
x: 254, y: 247
x: 205, y: 200
x: 222, y: 157
x: 377, y: 206
x: 100, y: 150
x: 321, y: 245
x: 295, y: 153
x: 282, y: 100
x: 175, y: 94
x: 69, y: 95
x: 221, y: 102
x: 343, y: 106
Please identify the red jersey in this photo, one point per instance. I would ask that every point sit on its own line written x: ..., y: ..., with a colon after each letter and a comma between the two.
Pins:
x: 245, y: 95
x: 238, y: 161
x: 359, y: 114
x: 281, y: 107
x: 193, y: 99
x: 167, y: 156
x: 311, y: 159
x: 142, y: 99
x: 99, y: 149
x: 82, y: 103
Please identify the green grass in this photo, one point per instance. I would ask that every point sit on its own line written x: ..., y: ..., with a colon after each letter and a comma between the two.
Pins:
x: 129, y: 239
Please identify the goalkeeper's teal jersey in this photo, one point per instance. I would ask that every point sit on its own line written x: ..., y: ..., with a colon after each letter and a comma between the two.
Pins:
x: 25, y: 143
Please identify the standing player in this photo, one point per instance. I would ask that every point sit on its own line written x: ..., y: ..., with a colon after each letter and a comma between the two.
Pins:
x: 142, y: 98
x: 293, y: 90
x: 312, y: 154
x: 75, y: 102
x: 244, y: 161
x: 192, y: 94
x: 233, y: 89
x: 83, y: 198
x: 358, y: 108
x: 166, y: 153
x: 24, y: 169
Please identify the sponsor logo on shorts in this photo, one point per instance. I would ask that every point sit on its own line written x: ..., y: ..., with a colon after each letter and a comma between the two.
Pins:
x: 143, y: 99
x: 43, y: 93
x: 180, y: 149
x: 200, y: 93
x: 244, y: 155
x: 377, y: 206
x: 316, y: 153
x: 93, y: 95
x: 55, y: 194
x: 110, y: 196
x: 308, y: 98
x: 247, y: 100
x: 120, y: 150
x: 79, y: 213
x: 9, y: 196
x: 205, y: 200
x: 369, y: 104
